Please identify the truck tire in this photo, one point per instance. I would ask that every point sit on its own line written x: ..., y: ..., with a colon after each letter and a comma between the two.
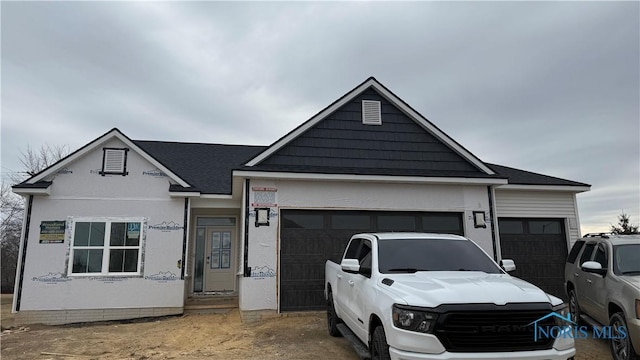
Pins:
x: 332, y: 319
x: 621, y: 349
x: 379, y: 347
x: 574, y: 307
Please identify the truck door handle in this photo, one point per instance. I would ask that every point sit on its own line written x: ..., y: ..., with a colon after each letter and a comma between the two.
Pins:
x: 576, y: 274
x: 339, y: 276
x: 351, y: 282
x: 588, y: 281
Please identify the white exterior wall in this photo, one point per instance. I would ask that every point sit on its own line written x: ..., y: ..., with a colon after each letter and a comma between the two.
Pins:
x: 79, y: 191
x: 540, y: 204
x: 260, y: 291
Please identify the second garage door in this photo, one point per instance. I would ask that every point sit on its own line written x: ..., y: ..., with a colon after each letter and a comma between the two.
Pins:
x: 308, y: 238
x: 539, y: 249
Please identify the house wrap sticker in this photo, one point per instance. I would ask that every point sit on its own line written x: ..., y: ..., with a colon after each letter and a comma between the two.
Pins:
x: 51, y: 278
x: 163, y: 276
x: 262, y: 272
x: 154, y: 173
x: 167, y: 226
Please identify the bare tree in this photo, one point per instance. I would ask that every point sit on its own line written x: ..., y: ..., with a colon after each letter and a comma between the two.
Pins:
x: 35, y: 160
x: 624, y: 226
x: 12, y: 207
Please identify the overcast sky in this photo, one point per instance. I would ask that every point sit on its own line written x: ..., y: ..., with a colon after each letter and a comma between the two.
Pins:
x: 547, y: 87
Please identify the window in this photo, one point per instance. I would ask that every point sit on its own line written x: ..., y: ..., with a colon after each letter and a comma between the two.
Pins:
x: 106, y: 247
x: 442, y: 223
x: 573, y: 255
x: 352, y: 249
x: 114, y: 161
x: 601, y: 257
x: 303, y: 220
x: 350, y: 221
x: 396, y: 222
x: 545, y: 227
x: 586, y: 255
x: 511, y: 226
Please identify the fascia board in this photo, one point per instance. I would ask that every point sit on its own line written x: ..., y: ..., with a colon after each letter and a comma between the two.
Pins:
x: 373, y: 178
x: 577, y: 189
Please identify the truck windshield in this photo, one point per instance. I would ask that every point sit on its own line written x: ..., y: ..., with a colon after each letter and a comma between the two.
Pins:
x: 626, y: 259
x: 411, y: 255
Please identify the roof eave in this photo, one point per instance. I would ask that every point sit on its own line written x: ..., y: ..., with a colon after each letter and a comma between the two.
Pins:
x: 570, y: 188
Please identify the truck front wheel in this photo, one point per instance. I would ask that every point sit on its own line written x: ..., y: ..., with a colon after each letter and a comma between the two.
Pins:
x: 332, y: 318
x: 621, y: 347
x: 379, y: 347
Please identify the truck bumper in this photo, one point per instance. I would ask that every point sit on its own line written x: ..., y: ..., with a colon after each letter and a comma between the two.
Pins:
x: 551, y: 354
x: 634, y: 333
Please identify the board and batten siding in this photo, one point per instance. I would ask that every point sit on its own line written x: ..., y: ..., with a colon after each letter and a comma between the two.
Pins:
x: 540, y: 204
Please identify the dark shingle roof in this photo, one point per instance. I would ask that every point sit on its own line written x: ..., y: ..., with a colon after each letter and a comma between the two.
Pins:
x: 521, y: 177
x: 206, y: 167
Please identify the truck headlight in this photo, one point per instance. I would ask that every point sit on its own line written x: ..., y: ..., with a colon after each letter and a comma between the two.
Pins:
x: 563, y: 310
x: 413, y: 319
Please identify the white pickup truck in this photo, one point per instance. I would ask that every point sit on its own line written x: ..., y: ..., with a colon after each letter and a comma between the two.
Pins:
x: 434, y: 296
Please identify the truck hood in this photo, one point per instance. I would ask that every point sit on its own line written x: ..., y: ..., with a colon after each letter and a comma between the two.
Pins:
x: 632, y: 280
x: 433, y: 288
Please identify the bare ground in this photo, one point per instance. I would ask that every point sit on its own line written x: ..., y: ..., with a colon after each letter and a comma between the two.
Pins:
x: 215, y: 336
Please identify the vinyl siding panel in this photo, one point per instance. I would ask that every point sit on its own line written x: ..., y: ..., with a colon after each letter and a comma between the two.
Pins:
x: 340, y: 142
x: 539, y: 204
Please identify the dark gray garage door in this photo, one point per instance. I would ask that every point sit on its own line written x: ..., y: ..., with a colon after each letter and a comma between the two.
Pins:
x: 308, y: 238
x: 539, y: 249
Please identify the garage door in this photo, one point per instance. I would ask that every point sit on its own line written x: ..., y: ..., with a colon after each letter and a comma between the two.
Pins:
x: 539, y: 249
x: 308, y: 238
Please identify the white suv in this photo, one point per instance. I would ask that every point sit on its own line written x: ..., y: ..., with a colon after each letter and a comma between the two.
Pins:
x: 602, y: 280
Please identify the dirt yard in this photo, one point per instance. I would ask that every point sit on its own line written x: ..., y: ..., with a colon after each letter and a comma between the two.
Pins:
x: 215, y: 336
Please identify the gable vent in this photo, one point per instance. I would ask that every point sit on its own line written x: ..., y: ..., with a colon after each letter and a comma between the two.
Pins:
x: 114, y: 161
x: 371, y: 112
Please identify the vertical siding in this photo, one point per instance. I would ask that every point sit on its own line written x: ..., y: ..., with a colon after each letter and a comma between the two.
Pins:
x: 540, y: 204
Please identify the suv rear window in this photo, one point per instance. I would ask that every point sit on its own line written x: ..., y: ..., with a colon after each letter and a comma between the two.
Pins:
x: 575, y: 250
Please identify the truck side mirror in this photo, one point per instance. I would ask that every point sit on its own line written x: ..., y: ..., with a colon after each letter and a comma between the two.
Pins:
x: 508, y: 265
x: 350, y: 265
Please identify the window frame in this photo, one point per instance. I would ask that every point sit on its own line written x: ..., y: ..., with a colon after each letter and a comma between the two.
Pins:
x: 106, y: 246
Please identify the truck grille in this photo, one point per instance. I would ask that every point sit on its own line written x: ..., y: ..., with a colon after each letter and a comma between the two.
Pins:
x: 492, y: 330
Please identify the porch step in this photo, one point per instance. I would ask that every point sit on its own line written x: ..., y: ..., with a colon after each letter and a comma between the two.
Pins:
x: 210, y: 305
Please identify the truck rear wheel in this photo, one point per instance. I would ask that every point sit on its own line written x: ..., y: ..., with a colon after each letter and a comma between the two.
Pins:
x: 379, y: 347
x: 332, y: 318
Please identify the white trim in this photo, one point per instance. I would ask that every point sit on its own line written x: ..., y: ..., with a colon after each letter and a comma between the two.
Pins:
x: 115, y: 133
x: 217, y: 196
x: 181, y: 194
x: 377, y: 178
x: 32, y: 191
x: 391, y: 98
x: 575, y: 206
x: 545, y: 187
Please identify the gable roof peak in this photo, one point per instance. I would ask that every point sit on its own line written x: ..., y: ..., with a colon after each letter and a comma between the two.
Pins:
x: 372, y: 82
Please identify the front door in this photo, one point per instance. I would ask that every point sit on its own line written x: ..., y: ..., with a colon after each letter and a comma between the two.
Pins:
x: 219, y: 265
